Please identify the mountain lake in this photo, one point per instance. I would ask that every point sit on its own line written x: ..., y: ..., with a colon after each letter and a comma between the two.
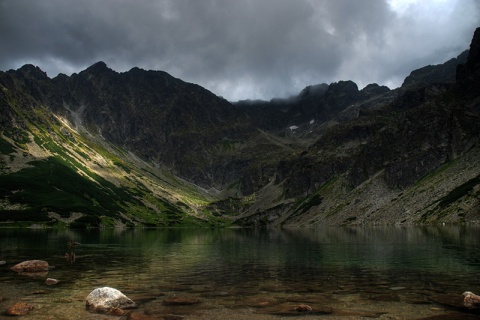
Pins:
x: 383, y: 272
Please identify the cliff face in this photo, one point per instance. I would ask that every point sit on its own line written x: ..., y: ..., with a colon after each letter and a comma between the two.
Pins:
x: 314, y: 106
x: 407, y: 161
x: 161, y: 119
x: 444, y: 73
x: 468, y: 74
x: 333, y: 154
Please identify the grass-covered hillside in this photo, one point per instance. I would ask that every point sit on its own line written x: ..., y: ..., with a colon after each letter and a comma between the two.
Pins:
x: 52, y: 175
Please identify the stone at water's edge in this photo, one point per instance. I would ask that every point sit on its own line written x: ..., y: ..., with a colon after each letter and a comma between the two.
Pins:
x: 108, y: 300
x: 19, y: 309
x: 471, y: 300
x: 31, y: 266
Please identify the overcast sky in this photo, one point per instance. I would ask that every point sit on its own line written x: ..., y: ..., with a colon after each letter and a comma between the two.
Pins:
x: 239, y: 49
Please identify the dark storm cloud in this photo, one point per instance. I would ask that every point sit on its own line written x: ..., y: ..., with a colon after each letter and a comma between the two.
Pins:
x: 238, y: 48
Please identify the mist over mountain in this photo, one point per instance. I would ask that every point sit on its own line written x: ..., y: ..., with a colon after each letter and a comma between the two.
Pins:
x: 102, y: 148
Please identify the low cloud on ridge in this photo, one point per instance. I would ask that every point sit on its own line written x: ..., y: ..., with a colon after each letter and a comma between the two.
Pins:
x: 240, y: 49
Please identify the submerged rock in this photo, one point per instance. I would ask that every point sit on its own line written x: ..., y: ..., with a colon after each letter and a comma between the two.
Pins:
x: 256, y: 302
x: 358, y: 313
x: 452, y: 316
x: 2, y: 262
x: 143, y: 316
x: 180, y: 301
x: 108, y: 300
x: 303, y: 308
x: 396, y: 288
x: 287, y: 310
x: 19, y: 309
x: 471, y: 300
x: 50, y: 281
x: 139, y: 316
x: 385, y: 297
x: 449, y: 300
x: 31, y: 266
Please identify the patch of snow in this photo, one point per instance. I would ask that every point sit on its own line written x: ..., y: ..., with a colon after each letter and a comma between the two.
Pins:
x: 312, y: 121
x: 293, y: 127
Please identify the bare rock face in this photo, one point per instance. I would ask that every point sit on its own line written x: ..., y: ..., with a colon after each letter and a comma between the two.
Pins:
x: 108, y: 300
x: 468, y: 74
x: 31, y: 266
x: 441, y: 73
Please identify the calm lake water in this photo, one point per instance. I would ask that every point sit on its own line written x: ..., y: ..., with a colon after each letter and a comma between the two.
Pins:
x: 341, y: 273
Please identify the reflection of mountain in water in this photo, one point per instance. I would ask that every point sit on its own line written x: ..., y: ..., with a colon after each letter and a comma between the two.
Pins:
x: 239, y: 268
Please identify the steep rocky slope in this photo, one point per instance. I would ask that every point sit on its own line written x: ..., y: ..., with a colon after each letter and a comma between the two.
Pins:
x: 411, y: 160
x: 444, y: 73
x: 58, y: 168
x: 101, y: 148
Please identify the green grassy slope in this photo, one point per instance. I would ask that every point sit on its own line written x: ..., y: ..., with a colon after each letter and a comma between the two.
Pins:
x: 52, y: 175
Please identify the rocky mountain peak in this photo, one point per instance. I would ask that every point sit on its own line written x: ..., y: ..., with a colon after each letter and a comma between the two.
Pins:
x: 317, y: 90
x: 98, y: 68
x: 474, y: 54
x: 31, y: 71
x: 468, y: 74
x: 344, y: 87
x: 374, y: 89
x: 441, y: 73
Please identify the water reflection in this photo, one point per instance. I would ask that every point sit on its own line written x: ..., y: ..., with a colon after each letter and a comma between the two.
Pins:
x: 70, y: 255
x: 227, y: 267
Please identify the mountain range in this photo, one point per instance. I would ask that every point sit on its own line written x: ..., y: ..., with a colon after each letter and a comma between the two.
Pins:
x: 142, y: 148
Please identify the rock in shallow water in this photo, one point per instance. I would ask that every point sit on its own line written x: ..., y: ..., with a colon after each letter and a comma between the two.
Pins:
x: 257, y: 302
x: 449, y: 300
x: 19, y: 309
x: 452, y: 316
x: 303, y: 308
x: 50, y: 281
x: 31, y: 266
x: 142, y: 316
x: 180, y: 301
x: 287, y: 310
x: 471, y: 300
x: 108, y: 300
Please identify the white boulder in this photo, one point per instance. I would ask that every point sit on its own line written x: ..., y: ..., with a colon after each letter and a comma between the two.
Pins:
x: 108, y: 300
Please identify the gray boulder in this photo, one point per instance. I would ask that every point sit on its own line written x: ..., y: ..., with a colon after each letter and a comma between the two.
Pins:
x: 108, y: 300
